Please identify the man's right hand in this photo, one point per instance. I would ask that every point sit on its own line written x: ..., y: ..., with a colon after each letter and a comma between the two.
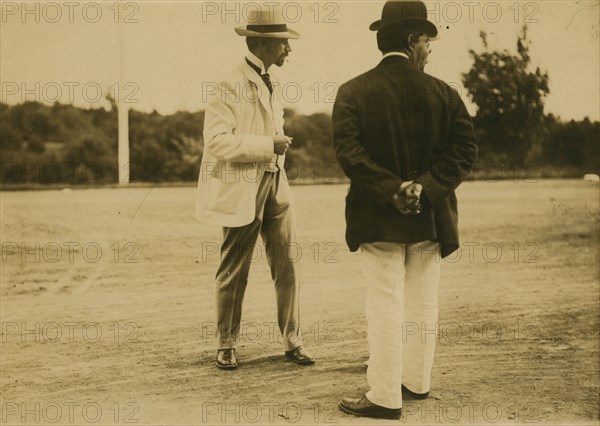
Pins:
x: 281, y: 144
x: 408, y: 201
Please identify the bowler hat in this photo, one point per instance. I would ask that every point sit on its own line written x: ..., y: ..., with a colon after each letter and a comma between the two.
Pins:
x: 267, y: 23
x: 411, y: 15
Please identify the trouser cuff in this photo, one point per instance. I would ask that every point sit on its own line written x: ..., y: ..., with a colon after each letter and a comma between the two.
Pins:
x: 290, y: 345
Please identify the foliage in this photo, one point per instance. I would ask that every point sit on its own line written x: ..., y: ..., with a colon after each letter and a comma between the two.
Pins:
x: 65, y: 144
x: 510, y: 98
x: 311, y: 158
x: 68, y: 145
x: 575, y: 144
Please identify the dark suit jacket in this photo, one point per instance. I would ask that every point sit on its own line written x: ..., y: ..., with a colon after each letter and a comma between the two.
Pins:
x: 394, y: 124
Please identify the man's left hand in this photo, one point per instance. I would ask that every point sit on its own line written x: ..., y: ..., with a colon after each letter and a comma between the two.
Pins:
x: 408, y: 201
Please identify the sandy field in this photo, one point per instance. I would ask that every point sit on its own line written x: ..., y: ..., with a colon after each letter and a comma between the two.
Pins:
x: 107, y: 312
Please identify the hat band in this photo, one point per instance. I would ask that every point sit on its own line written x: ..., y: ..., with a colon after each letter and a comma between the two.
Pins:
x: 267, y: 28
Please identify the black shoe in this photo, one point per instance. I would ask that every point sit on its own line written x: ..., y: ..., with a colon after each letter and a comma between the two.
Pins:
x: 408, y: 394
x: 365, y: 408
x: 226, y: 359
x: 300, y: 356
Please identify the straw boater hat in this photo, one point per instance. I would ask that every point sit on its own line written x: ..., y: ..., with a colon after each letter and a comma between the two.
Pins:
x: 266, y: 23
x: 411, y: 15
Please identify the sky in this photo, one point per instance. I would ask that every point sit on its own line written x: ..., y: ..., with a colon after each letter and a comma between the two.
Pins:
x: 166, y: 56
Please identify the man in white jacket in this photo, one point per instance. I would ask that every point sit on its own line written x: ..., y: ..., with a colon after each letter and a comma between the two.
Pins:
x: 243, y: 188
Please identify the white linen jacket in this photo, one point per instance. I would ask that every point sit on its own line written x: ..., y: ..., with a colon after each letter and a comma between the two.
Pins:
x: 240, y: 121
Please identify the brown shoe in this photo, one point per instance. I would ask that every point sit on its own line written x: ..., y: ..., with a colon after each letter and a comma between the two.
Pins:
x: 300, y: 356
x: 226, y: 359
x: 364, y: 408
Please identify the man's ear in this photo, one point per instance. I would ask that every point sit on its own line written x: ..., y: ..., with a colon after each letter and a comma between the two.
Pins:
x: 411, y: 42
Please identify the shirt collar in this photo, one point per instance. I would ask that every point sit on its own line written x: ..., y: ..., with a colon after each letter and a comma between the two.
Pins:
x: 404, y: 55
x: 256, y: 61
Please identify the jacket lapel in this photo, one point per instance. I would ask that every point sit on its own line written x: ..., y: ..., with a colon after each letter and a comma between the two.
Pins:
x: 261, y: 88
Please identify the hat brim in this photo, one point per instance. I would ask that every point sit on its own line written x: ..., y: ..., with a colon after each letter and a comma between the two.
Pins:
x: 412, y: 23
x: 289, y: 34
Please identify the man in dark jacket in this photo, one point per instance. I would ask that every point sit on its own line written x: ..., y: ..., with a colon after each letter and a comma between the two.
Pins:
x: 406, y: 141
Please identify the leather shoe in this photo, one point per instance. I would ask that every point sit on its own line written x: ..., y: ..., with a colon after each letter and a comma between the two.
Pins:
x: 300, y: 356
x: 226, y: 359
x: 365, y: 408
x: 408, y: 394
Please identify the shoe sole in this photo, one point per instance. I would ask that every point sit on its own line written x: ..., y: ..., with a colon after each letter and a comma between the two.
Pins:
x: 226, y: 367
x: 372, y: 415
x: 307, y: 362
x: 414, y: 397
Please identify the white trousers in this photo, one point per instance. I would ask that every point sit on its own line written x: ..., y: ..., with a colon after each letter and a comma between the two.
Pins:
x: 402, y: 313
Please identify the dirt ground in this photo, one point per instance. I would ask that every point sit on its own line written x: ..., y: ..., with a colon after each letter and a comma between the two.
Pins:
x: 107, y: 311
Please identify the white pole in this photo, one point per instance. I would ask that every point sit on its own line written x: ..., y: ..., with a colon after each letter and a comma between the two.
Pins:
x: 123, y: 119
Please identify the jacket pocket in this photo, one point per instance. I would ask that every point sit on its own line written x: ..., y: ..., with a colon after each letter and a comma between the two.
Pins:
x: 225, y: 197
